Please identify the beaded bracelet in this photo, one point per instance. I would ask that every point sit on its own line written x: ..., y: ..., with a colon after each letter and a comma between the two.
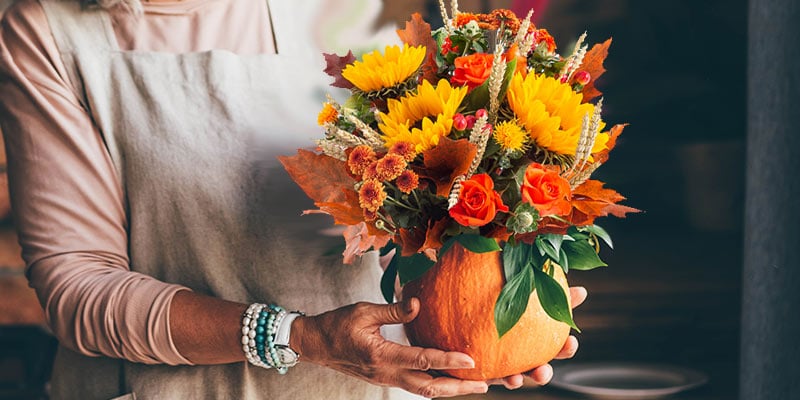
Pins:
x: 260, y: 325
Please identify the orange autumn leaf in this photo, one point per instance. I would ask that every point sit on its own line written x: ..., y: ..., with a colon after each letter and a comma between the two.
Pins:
x: 593, y: 64
x: 418, y: 33
x: 433, y: 237
x: 593, y: 200
x: 345, y: 211
x: 447, y: 161
x: 322, y: 178
x: 410, y: 240
x: 326, y: 181
x: 613, y: 134
x: 359, y: 240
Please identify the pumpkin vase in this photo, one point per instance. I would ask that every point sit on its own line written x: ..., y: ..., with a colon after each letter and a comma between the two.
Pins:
x: 458, y: 296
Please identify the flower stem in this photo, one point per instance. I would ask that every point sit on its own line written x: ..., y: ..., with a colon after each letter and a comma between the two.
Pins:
x: 398, y: 203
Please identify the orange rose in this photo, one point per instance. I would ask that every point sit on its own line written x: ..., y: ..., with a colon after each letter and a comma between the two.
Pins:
x: 472, y: 70
x: 546, y: 190
x: 478, y: 203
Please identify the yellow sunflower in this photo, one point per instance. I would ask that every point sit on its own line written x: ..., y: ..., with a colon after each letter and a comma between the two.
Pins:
x: 551, y: 112
x: 379, y: 71
x: 421, y: 118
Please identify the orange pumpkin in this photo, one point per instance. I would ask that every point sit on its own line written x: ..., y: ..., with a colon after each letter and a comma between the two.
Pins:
x: 458, y: 296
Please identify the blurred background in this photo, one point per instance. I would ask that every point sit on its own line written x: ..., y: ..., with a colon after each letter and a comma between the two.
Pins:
x: 672, y: 291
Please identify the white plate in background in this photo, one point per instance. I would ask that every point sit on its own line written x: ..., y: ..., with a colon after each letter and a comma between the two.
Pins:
x: 613, y: 380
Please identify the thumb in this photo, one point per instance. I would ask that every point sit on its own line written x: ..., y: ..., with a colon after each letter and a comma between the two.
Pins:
x: 397, y: 313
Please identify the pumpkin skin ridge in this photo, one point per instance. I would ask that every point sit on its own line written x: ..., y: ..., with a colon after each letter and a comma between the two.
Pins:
x: 457, y: 297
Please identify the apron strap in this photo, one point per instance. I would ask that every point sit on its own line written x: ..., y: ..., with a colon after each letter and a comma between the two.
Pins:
x: 78, y: 28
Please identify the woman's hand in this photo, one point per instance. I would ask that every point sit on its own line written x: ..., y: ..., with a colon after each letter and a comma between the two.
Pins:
x: 542, y: 375
x: 348, y: 340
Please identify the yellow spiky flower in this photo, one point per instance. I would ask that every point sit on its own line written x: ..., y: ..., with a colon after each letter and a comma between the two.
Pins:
x: 328, y: 114
x: 551, y: 112
x: 392, y: 69
x: 510, y: 136
x: 423, y: 117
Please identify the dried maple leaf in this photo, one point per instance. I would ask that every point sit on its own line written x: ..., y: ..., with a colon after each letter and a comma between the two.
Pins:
x: 334, y: 66
x: 447, y: 161
x: 593, y: 200
x: 593, y: 64
x: 613, y: 134
x: 410, y: 240
x: 344, y: 212
x: 418, y: 33
x: 433, y: 237
x: 359, y: 240
x: 326, y: 181
x: 322, y: 178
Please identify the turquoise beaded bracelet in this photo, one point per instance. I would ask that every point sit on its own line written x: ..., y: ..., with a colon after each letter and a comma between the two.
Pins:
x: 259, y: 327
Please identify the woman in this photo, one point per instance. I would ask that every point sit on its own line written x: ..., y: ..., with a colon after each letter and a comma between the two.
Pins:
x: 151, y: 210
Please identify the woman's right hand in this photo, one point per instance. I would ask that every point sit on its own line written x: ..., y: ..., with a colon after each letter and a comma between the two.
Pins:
x: 348, y: 339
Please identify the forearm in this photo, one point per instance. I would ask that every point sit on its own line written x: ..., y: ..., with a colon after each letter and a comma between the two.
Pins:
x: 96, y: 306
x: 206, y: 330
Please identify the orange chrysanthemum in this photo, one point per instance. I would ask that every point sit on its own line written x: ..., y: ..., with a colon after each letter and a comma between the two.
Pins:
x: 404, y: 149
x: 371, y: 172
x: 462, y: 19
x: 407, y: 181
x: 360, y: 158
x: 371, y: 195
x: 506, y: 18
x: 327, y: 114
x: 370, y: 216
x: 390, y: 167
x: 543, y: 36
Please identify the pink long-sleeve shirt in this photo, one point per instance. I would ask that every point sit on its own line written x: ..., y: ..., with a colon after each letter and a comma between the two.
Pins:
x: 68, y: 201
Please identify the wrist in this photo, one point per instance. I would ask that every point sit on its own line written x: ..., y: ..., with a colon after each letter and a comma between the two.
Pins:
x: 302, y: 337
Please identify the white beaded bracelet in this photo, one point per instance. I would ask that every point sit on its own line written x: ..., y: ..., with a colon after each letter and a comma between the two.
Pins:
x: 249, y: 325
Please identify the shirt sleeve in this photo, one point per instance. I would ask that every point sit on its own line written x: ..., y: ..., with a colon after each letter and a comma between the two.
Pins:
x: 69, y: 207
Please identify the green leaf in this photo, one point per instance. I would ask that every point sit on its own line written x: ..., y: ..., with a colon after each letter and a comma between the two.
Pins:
x: 479, y: 97
x: 511, y: 67
x: 478, y: 243
x: 515, y: 258
x: 552, y: 297
x: 388, y: 279
x: 563, y: 261
x: 582, y: 255
x: 513, y: 301
x: 600, y: 233
x: 413, y: 267
x: 546, y: 247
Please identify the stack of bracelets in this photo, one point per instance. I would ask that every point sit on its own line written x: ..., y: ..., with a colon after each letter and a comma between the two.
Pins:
x: 261, y: 325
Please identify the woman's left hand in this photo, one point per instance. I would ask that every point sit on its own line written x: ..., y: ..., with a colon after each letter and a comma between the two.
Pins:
x: 542, y: 375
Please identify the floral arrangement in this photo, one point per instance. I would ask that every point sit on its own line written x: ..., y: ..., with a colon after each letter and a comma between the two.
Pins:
x: 477, y: 133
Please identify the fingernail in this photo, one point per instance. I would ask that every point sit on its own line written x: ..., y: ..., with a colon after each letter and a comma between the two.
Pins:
x: 408, y: 306
x: 480, y: 387
x: 467, y: 362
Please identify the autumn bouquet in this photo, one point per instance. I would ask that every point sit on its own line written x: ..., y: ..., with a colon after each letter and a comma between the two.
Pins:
x: 468, y: 153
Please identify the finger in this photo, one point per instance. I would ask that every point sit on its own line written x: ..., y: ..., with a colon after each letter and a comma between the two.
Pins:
x: 427, y: 386
x: 569, y: 349
x: 397, y: 313
x: 510, y: 382
x: 542, y: 375
x: 423, y: 359
x: 577, y: 295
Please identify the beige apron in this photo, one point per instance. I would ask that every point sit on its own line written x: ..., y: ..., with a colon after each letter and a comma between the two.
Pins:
x: 194, y: 139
